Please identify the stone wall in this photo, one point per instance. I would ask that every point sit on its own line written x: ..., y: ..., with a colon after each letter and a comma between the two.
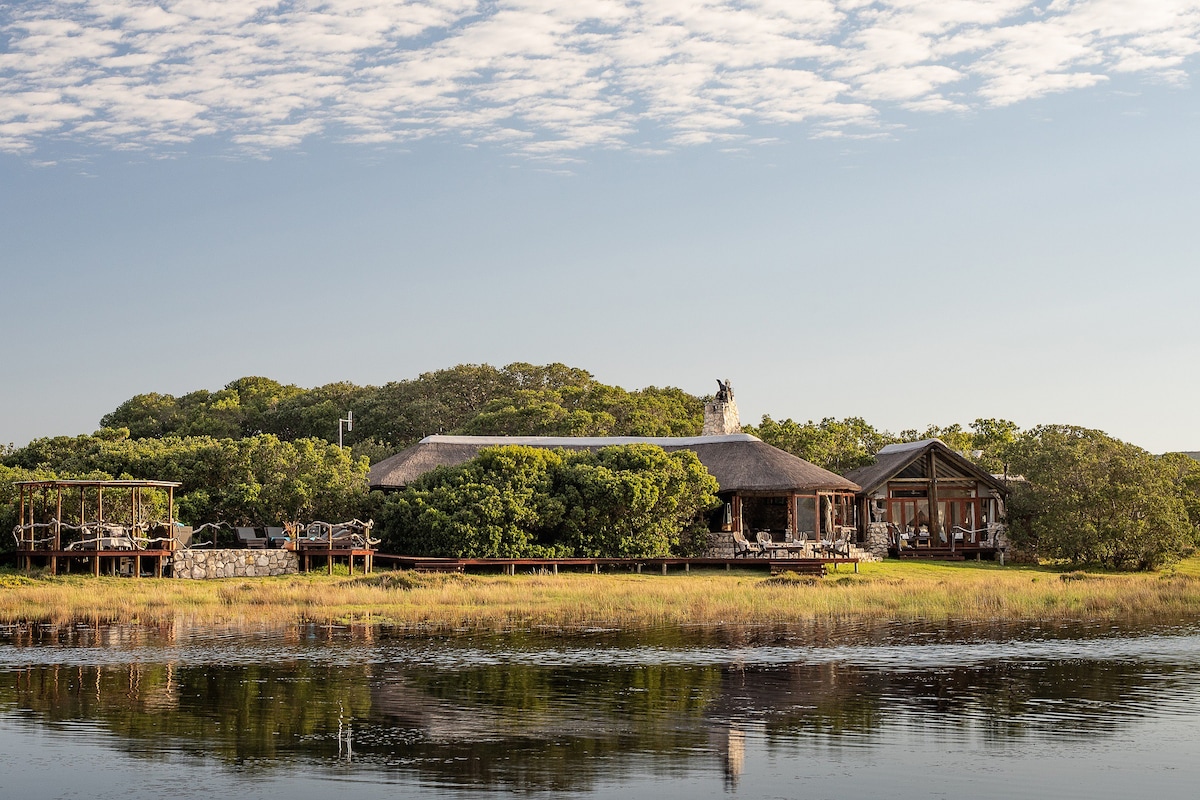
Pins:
x: 720, y: 545
x: 877, y: 540
x: 201, y: 564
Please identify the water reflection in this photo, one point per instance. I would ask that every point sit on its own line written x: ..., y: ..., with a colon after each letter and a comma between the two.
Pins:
x: 564, y: 715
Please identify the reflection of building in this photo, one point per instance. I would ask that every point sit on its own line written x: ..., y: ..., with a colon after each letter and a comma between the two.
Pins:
x: 734, y: 750
x: 923, y: 498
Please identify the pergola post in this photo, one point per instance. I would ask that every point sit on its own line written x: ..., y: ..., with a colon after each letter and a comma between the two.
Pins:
x: 935, y: 516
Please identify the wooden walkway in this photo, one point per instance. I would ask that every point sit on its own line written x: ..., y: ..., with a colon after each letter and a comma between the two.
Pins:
x: 131, y: 562
x: 510, y: 566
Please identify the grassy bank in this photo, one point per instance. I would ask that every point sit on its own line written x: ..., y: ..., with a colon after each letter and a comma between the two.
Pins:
x: 891, y: 590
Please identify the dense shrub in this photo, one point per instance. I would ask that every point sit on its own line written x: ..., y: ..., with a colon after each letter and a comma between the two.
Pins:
x: 514, y: 502
x: 1089, y: 498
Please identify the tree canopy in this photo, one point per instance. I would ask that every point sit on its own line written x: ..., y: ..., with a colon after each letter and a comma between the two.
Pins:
x: 255, y: 480
x: 1089, y: 498
x: 515, y: 502
x: 518, y: 399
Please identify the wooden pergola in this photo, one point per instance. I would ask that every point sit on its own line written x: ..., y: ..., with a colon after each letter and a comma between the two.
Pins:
x: 42, y: 530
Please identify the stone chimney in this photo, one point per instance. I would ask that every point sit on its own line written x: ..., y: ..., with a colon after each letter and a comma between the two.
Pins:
x: 721, y: 415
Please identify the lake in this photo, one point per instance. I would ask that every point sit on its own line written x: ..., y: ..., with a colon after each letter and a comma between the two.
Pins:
x: 819, y: 711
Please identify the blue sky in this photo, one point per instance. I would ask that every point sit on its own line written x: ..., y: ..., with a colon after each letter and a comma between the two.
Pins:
x: 916, y: 212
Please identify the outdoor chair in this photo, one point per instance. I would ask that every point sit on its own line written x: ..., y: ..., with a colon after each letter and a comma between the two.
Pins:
x: 276, y: 537
x: 248, y: 537
x: 841, y: 547
x: 743, y: 547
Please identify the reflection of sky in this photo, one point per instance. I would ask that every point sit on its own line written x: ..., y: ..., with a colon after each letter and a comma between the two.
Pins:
x: 1156, y: 759
x: 1068, y: 718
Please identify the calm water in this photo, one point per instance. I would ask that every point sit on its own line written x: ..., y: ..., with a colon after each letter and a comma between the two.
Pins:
x: 889, y: 711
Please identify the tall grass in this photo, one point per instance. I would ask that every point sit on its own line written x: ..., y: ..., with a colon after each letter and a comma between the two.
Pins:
x: 886, y: 591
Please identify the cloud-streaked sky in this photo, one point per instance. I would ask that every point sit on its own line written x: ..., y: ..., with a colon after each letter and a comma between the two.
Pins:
x: 917, y: 211
x: 548, y: 77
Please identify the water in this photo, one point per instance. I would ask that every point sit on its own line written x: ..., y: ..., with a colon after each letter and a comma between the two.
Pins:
x: 895, y: 711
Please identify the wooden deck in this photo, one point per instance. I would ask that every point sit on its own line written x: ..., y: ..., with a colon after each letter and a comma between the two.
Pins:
x: 959, y: 553
x: 121, y: 562
x: 330, y: 554
x: 97, y: 560
x: 510, y: 566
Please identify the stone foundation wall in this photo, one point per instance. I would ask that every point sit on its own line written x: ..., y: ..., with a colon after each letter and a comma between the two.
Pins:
x: 877, y: 540
x: 204, y: 564
x: 720, y: 545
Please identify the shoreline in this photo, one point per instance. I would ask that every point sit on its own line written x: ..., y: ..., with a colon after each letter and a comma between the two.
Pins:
x: 438, y: 603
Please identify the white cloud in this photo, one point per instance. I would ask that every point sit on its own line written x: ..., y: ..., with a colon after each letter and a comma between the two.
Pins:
x: 546, y: 77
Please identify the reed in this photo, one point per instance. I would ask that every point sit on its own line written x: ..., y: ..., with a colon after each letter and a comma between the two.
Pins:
x: 885, y: 591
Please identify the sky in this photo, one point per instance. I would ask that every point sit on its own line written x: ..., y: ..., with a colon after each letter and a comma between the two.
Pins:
x: 913, y: 211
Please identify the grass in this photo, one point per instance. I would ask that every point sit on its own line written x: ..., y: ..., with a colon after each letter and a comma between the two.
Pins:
x: 885, y: 591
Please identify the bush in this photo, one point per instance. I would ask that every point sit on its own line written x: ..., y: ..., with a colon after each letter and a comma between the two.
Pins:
x: 521, y: 502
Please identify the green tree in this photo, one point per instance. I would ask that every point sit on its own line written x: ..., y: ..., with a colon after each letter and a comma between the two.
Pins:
x: 837, y: 445
x: 635, y: 500
x: 499, y: 505
x: 1185, y: 474
x: 256, y: 480
x: 1089, y: 498
x: 518, y: 501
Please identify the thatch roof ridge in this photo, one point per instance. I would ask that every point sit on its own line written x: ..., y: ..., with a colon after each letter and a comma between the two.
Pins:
x: 739, y: 462
x: 578, y: 442
x: 896, y: 457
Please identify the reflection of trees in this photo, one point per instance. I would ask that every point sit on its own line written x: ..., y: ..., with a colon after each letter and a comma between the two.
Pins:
x: 234, y: 713
x: 563, y: 726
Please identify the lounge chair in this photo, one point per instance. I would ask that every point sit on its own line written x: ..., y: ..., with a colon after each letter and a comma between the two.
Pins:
x: 276, y: 537
x: 841, y: 547
x: 743, y: 547
x: 248, y: 537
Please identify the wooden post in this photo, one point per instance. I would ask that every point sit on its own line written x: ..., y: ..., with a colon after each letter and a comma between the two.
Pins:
x: 791, y: 515
x: 935, y: 518
x: 21, y: 519
x: 687, y: 566
x: 171, y: 519
x: 555, y: 567
x: 664, y: 566
x: 57, y: 533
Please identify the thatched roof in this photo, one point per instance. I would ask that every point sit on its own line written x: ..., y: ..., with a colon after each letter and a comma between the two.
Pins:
x: 895, y: 458
x: 740, y: 462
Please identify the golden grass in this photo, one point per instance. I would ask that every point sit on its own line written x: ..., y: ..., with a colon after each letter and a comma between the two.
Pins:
x: 886, y: 591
